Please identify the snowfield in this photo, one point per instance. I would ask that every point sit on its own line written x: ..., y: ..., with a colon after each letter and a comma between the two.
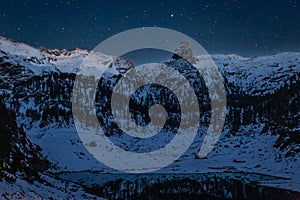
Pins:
x: 50, y: 189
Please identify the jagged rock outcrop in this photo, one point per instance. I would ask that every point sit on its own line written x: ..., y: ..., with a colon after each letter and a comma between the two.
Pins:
x: 184, y: 51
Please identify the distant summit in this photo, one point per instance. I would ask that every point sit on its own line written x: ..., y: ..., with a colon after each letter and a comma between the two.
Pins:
x: 184, y: 51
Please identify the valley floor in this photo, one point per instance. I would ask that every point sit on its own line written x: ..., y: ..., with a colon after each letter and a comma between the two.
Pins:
x: 248, y: 152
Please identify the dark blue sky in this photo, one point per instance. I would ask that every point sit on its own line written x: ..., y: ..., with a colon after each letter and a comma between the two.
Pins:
x: 244, y: 27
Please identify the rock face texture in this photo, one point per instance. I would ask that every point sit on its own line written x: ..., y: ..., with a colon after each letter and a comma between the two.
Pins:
x: 17, y: 154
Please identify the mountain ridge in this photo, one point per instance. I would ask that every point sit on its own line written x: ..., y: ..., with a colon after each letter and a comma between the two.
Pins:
x: 262, y: 123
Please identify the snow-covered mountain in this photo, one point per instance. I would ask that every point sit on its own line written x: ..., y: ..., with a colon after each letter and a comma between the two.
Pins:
x: 261, y: 132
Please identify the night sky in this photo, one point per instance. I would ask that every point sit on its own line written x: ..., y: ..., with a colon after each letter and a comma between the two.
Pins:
x: 248, y: 28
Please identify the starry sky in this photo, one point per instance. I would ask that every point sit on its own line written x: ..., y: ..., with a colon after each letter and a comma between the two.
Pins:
x: 248, y: 28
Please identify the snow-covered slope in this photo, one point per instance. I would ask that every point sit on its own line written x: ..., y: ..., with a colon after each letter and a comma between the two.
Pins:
x: 45, y: 60
x: 49, y: 188
x: 261, y: 133
x: 259, y: 76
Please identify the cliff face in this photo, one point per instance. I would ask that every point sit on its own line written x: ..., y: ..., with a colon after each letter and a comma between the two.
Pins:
x: 17, y: 154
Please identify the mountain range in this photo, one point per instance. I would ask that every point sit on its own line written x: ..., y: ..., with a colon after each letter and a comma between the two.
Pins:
x: 39, y: 140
